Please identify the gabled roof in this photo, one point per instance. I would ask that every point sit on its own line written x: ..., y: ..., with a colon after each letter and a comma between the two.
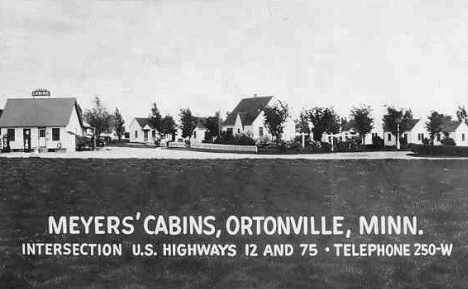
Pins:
x: 142, y: 121
x: 38, y: 112
x: 248, y: 109
x: 412, y: 123
x: 450, y: 125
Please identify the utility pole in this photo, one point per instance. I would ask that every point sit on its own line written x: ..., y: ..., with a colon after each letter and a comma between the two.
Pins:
x: 94, y: 137
x: 398, y: 121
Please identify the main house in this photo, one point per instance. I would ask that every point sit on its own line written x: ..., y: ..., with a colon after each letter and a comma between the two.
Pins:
x: 247, y: 117
x: 41, y: 124
x: 141, y: 131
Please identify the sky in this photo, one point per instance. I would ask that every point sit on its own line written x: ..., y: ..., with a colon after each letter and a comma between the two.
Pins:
x: 206, y: 55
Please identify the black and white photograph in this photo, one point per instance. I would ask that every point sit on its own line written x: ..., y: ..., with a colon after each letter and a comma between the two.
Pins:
x: 233, y: 144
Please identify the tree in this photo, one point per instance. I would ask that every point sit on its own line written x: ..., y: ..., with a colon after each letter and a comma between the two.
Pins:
x: 303, y: 123
x: 212, y: 126
x: 275, y: 117
x: 390, y: 120
x: 155, y: 118
x: 98, y: 117
x: 325, y: 120
x: 118, y: 124
x: 434, y: 124
x: 168, y: 126
x: 462, y: 115
x: 363, y: 122
x: 187, y: 122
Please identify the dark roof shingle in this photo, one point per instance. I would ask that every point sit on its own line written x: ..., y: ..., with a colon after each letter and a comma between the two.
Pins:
x: 143, y: 121
x: 37, y: 112
x: 248, y: 109
x: 412, y: 123
x: 450, y: 125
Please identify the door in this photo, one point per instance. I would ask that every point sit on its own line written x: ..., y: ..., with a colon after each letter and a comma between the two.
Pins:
x: 145, y: 135
x: 27, y: 139
x: 42, y: 138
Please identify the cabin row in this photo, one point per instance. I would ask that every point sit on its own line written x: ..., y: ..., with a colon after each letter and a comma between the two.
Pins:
x: 246, y: 118
x: 415, y: 133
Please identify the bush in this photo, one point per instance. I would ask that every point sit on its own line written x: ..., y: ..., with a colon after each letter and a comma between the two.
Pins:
x: 288, y: 147
x: 239, y: 139
x: 263, y: 142
x: 225, y: 138
x: 377, y: 143
x: 244, y: 139
x: 443, y: 150
x: 403, y: 143
x: 326, y: 147
x: 448, y: 141
x: 348, y: 146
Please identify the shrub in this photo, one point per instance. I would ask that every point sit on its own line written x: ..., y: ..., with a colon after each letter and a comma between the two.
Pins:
x: 239, y: 139
x: 426, y: 150
x: 448, y: 141
x: 326, y: 147
x: 403, y: 143
x: 378, y: 142
x: 244, y: 139
x: 263, y: 142
x: 225, y: 138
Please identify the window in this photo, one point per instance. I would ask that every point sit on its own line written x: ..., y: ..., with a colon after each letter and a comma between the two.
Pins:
x: 238, y: 130
x: 463, y: 137
x: 260, y: 131
x: 153, y: 133
x: 405, y: 136
x: 194, y: 134
x: 420, y: 136
x: 56, y: 134
x: 374, y: 135
x: 438, y: 137
x: 389, y: 137
x: 41, y: 132
x: 136, y: 134
x: 11, y: 134
x: 229, y: 130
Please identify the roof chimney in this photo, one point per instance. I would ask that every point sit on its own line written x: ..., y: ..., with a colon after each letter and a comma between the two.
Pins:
x: 255, y: 95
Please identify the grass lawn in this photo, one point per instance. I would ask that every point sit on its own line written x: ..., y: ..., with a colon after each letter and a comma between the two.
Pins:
x: 434, y: 190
